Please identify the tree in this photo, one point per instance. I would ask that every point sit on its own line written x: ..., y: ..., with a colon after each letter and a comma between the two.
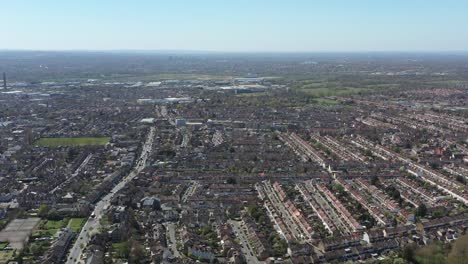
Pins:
x: 408, y: 253
x: 123, y: 250
x: 421, y: 211
x: 231, y: 180
x: 36, y: 250
x: 138, y: 253
x: 459, y: 252
x: 72, y: 153
x: 374, y: 180
x: 461, y: 179
x: 53, y: 215
x: 43, y: 210
x: 431, y: 254
x: 368, y: 153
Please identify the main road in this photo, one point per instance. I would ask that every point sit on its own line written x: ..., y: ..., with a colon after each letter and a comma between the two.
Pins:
x: 93, y: 222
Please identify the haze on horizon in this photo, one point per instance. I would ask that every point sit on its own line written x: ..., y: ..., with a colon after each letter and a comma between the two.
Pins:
x: 235, y: 26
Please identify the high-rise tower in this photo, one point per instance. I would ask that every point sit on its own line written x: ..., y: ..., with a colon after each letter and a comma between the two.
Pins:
x: 4, y: 80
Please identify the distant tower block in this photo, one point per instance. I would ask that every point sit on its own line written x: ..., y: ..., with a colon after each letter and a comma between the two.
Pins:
x: 28, y: 136
x: 4, y: 80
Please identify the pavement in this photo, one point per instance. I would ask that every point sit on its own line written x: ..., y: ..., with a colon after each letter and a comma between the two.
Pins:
x: 283, y: 212
x: 76, y: 173
x: 172, y: 237
x: 246, y: 248
x: 93, y: 224
x: 190, y: 191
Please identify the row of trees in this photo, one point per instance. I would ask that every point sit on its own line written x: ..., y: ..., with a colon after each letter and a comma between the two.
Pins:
x: 438, y: 253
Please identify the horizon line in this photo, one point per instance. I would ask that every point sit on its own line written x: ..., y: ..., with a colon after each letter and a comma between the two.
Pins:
x: 232, y: 51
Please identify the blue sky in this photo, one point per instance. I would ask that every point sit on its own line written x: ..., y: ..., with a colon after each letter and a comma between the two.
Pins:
x: 235, y: 25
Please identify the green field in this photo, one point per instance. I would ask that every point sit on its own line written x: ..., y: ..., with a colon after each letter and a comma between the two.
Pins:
x: 121, y: 249
x: 78, y: 141
x: 44, y: 233
x: 76, y: 224
x: 6, y: 255
x: 251, y: 94
x: 325, y: 101
x: 322, y: 92
x: 49, y: 228
x: 50, y: 224
x: 187, y: 76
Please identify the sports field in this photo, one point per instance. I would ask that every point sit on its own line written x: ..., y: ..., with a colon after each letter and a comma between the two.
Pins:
x: 75, y: 141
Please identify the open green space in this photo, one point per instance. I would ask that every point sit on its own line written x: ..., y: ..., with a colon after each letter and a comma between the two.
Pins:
x: 45, y: 233
x: 3, y: 245
x: 49, y: 227
x: 251, y: 94
x: 321, y: 92
x: 76, y: 224
x: 325, y: 101
x: 52, y: 224
x: 117, y: 246
x: 75, y: 141
x: 6, y: 255
x: 121, y: 249
x: 188, y: 76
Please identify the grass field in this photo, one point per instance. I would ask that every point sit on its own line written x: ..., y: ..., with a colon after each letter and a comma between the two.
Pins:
x: 49, y: 227
x: 3, y: 245
x: 119, y: 246
x: 76, y: 224
x: 322, y: 92
x: 251, y: 94
x: 6, y: 255
x: 55, y: 224
x: 45, y: 233
x: 121, y: 249
x: 188, y: 76
x: 325, y: 101
x: 78, y: 141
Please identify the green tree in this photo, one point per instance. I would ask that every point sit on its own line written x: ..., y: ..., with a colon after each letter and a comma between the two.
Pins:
x: 408, y: 253
x: 459, y: 252
x: 231, y: 180
x: 36, y: 250
x: 53, y: 215
x: 123, y: 250
x: 374, y: 180
x: 43, y: 210
x: 431, y: 254
x: 138, y: 253
x: 421, y: 211
x: 368, y: 153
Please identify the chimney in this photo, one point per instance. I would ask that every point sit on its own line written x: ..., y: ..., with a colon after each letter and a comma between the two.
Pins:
x: 4, y: 81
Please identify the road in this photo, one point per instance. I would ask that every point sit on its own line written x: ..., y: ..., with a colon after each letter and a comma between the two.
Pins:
x: 283, y: 212
x: 173, y: 241
x: 93, y: 223
x: 77, y: 171
x: 190, y: 191
x: 246, y: 248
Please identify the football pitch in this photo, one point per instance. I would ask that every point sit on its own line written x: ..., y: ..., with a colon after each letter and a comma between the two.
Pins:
x: 75, y: 141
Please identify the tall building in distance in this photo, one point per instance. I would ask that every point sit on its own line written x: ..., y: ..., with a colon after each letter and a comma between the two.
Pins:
x: 28, y: 136
x: 4, y: 80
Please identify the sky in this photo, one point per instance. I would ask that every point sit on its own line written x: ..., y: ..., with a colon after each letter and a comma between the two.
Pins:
x: 235, y: 25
